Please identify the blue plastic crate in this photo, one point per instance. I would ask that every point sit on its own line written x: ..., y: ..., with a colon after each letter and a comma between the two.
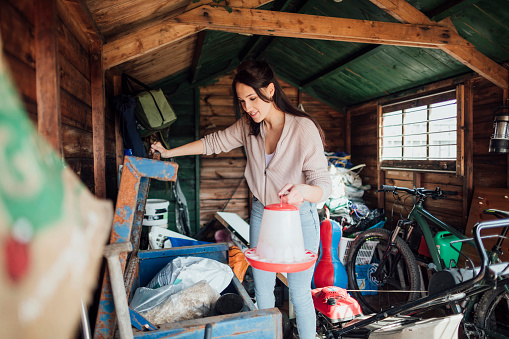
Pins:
x: 363, y: 280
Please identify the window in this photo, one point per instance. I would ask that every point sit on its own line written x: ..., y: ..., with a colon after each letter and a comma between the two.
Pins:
x: 420, y: 133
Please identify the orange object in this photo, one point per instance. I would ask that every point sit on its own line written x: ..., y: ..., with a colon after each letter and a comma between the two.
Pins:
x: 238, y: 262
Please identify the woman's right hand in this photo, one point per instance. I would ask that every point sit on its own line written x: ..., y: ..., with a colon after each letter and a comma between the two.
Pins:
x: 157, y: 146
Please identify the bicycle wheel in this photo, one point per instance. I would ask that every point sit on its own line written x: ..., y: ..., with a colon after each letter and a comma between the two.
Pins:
x: 395, y: 283
x: 492, y: 312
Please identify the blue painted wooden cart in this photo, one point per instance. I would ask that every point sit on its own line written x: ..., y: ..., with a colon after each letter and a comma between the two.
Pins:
x: 140, y: 266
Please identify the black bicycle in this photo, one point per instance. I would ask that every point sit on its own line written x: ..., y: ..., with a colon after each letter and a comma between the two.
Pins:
x: 383, y: 272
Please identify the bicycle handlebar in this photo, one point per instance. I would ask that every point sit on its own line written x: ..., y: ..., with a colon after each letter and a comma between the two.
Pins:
x: 436, y: 193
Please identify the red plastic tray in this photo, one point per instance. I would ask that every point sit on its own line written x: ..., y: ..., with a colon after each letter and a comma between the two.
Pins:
x: 298, y: 266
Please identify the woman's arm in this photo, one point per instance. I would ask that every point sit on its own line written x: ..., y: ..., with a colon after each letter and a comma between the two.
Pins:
x: 192, y: 148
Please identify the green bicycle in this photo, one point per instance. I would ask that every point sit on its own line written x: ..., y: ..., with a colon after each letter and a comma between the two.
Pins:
x: 383, y: 272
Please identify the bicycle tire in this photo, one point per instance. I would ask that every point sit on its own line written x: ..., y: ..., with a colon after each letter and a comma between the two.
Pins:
x: 492, y: 312
x: 361, y: 268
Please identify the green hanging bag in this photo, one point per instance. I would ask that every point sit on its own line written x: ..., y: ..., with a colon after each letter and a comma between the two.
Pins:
x: 153, y: 111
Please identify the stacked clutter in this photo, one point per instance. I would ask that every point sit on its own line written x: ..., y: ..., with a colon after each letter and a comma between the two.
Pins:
x: 345, y: 204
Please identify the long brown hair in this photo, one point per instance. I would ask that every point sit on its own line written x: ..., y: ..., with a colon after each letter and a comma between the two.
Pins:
x: 257, y: 75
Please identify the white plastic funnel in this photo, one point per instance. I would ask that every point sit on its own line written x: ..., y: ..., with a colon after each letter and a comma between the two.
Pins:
x: 280, y: 245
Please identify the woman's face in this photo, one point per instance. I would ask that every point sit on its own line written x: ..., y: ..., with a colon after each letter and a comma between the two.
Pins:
x: 252, y: 103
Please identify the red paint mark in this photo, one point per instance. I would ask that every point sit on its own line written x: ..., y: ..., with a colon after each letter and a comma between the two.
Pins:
x: 17, y: 258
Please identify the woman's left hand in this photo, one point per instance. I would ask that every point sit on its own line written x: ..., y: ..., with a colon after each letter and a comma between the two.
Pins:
x: 292, y: 194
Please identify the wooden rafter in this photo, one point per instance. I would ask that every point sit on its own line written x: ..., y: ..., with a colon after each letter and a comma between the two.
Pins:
x: 293, y: 25
x: 475, y: 60
x: 149, y: 39
x: 144, y: 41
x: 250, y: 21
x: 196, y: 64
x: 81, y: 15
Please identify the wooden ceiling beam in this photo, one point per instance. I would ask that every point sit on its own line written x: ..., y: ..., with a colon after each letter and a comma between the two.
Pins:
x: 472, y: 58
x: 80, y: 14
x: 196, y: 63
x: 305, y: 26
x: 145, y: 41
x: 258, y: 44
x: 149, y: 39
x: 228, y: 3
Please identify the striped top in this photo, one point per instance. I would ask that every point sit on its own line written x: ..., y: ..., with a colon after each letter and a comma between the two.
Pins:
x: 298, y: 159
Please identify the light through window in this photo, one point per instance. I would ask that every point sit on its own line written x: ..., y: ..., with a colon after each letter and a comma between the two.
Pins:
x: 421, y: 129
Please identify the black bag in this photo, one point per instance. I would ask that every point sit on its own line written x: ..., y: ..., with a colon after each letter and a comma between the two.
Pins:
x: 153, y: 111
x: 125, y: 105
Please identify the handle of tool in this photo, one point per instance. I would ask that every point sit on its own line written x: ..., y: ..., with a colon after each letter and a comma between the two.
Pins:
x: 120, y: 298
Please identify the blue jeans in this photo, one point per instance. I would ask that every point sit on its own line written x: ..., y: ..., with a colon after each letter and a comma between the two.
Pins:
x: 299, y: 283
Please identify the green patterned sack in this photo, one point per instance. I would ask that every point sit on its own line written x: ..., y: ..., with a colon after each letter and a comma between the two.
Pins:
x: 52, y: 230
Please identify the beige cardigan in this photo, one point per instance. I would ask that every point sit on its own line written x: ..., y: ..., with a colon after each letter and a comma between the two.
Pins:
x: 298, y: 159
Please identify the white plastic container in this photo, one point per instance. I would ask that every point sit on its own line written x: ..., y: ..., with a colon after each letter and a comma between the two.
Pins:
x: 156, y: 213
x: 280, y: 238
x: 365, y: 253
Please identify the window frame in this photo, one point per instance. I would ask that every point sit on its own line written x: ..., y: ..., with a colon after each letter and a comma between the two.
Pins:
x: 439, y: 95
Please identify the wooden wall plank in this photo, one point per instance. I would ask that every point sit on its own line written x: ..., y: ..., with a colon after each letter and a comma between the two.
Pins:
x: 468, y: 160
x: 119, y: 146
x: 98, y: 122
x: 17, y: 34
x: 47, y: 72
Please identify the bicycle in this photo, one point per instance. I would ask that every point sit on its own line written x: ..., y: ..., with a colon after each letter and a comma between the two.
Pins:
x: 483, y: 288
x: 390, y: 276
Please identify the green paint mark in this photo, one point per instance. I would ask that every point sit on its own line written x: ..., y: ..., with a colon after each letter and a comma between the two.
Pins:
x: 31, y: 182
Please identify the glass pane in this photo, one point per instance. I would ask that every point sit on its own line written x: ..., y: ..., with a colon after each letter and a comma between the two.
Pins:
x: 391, y: 148
x: 446, y: 152
x: 392, y: 135
x: 412, y: 153
x: 443, y: 120
x: 420, y: 133
x: 415, y: 114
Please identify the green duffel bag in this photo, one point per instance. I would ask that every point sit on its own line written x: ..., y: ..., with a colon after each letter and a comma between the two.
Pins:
x: 153, y: 111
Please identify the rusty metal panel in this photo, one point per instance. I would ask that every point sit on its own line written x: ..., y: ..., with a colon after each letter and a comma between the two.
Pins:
x: 259, y: 324
x: 131, y: 200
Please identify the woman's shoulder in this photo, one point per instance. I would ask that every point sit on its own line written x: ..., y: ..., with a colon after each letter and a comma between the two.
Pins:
x: 301, y: 123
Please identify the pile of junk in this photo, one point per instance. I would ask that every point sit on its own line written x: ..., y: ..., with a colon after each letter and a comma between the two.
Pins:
x: 346, y: 204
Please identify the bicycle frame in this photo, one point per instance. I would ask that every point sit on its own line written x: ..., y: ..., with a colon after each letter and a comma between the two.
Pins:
x: 419, y: 215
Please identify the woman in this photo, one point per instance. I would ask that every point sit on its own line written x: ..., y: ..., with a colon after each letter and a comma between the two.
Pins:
x: 285, y: 161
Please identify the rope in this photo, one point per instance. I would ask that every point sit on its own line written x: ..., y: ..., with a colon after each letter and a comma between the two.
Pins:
x: 391, y: 291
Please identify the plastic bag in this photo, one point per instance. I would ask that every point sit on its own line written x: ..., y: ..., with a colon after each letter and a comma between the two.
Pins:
x: 191, y: 270
x: 193, y: 302
x: 146, y: 298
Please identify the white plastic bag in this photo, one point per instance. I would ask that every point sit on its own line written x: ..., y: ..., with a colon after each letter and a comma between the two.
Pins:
x: 145, y: 298
x: 191, y: 270
x: 193, y: 302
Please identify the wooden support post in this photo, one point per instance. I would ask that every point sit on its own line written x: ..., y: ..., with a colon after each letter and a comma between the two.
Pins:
x: 98, y: 120
x: 380, y: 172
x: 506, y: 102
x: 197, y: 170
x: 47, y: 72
x: 348, y: 132
x: 468, y: 121
x: 119, y: 146
x: 417, y: 179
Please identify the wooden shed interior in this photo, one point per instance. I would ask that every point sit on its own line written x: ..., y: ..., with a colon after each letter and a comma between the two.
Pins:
x: 342, y: 60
